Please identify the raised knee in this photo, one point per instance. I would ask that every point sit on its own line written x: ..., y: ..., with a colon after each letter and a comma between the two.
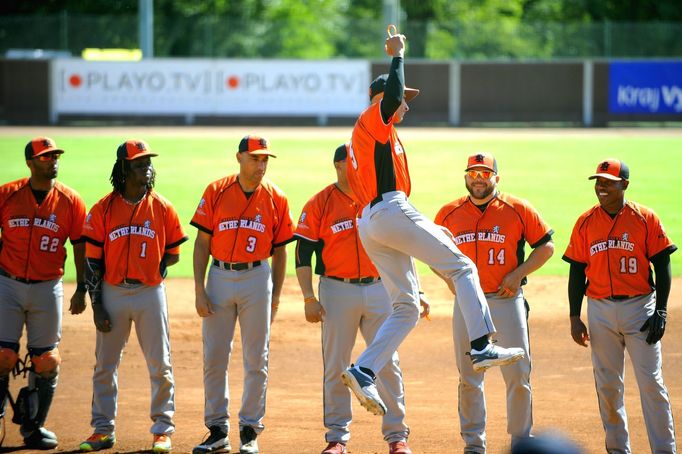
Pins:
x: 47, y: 363
x: 8, y: 359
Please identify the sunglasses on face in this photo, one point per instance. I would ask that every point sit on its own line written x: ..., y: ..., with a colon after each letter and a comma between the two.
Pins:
x: 48, y: 157
x: 483, y: 174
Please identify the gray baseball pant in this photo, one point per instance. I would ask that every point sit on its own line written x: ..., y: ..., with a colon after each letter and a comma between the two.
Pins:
x: 245, y: 296
x: 39, y: 306
x: 614, y: 327
x: 347, y: 308
x: 510, y: 317
x: 146, y: 307
x: 392, y: 232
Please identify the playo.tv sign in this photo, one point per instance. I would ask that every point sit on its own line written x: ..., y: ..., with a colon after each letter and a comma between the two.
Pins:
x: 210, y: 87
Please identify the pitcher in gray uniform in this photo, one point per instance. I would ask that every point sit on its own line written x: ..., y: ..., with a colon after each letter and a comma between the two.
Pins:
x: 611, y: 250
x: 394, y: 233
x: 351, y: 298
x: 133, y: 234
x: 37, y: 216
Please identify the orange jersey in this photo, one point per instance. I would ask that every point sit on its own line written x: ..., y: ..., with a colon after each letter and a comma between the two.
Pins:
x: 378, y: 163
x: 617, y: 251
x: 133, y: 238
x: 33, y: 235
x: 330, y: 219
x: 495, y: 238
x: 243, y: 229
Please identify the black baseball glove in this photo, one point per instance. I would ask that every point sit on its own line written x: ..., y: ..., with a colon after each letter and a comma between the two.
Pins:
x: 656, y: 326
x: 101, y: 318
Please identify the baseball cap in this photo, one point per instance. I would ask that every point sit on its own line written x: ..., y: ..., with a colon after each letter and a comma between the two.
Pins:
x: 341, y: 153
x: 378, y: 85
x: 486, y: 160
x: 255, y: 145
x: 40, y: 146
x: 612, y: 169
x: 133, y: 149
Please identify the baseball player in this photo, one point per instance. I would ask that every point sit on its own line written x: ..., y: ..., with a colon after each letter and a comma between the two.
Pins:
x: 133, y: 234
x: 611, y: 250
x: 37, y: 215
x: 242, y: 220
x: 393, y: 232
x: 492, y: 228
x: 351, y: 297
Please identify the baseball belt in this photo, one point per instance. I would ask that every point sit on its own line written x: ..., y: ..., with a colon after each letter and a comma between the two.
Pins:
x: 20, y: 279
x: 357, y: 280
x: 236, y: 266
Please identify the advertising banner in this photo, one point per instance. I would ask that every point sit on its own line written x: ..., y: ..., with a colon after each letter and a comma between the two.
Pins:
x: 210, y: 87
x: 645, y: 88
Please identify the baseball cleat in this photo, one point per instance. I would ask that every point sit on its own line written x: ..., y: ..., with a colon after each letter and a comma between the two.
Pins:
x: 399, y: 447
x: 335, y: 447
x: 97, y: 442
x: 247, y: 437
x: 41, y: 439
x: 364, y: 389
x: 217, y: 441
x: 162, y: 443
x: 492, y: 355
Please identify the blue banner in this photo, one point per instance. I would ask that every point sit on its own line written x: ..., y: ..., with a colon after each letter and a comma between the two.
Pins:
x: 645, y: 88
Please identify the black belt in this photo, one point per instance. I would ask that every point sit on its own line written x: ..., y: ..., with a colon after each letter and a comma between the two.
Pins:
x: 236, y: 266
x: 19, y: 279
x: 127, y: 281
x: 376, y: 200
x: 622, y: 297
x: 356, y: 280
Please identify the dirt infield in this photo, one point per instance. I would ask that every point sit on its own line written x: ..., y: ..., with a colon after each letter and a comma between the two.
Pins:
x: 564, y: 396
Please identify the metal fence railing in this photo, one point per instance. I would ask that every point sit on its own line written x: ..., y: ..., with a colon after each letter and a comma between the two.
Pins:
x: 216, y: 36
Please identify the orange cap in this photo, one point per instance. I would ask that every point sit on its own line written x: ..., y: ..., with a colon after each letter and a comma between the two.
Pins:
x: 133, y: 149
x: 255, y: 145
x: 40, y: 146
x: 485, y: 160
x: 612, y: 169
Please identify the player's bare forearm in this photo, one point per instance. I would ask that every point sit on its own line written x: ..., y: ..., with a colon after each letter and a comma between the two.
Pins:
x: 511, y: 282
x: 79, y: 260
x: 77, y: 302
x: 202, y: 250
x: 536, y: 259
x: 279, y: 267
x: 304, y: 274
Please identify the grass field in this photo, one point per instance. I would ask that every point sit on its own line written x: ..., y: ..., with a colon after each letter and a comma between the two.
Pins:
x: 549, y: 169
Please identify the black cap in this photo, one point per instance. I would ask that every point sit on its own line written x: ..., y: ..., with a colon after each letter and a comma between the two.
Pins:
x: 341, y: 153
x: 378, y: 86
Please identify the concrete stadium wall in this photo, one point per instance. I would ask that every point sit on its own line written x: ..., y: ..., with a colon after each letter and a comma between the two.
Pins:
x: 521, y: 92
x: 452, y: 93
x: 24, y: 92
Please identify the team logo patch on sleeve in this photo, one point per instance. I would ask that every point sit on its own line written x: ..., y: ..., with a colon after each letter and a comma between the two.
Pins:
x: 200, y: 210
